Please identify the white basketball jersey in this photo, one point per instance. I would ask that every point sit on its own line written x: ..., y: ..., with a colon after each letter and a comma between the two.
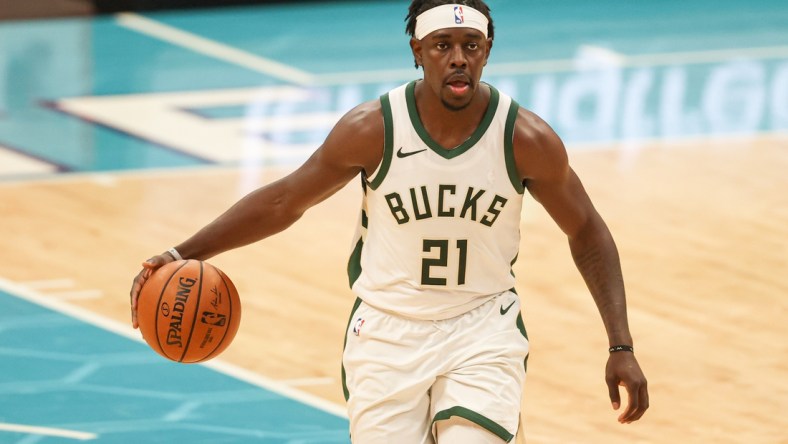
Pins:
x: 440, y: 228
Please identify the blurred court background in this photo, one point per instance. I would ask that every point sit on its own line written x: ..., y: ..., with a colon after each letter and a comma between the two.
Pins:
x: 127, y: 125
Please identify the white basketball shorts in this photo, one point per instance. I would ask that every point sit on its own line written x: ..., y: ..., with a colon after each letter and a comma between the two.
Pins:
x: 401, y: 375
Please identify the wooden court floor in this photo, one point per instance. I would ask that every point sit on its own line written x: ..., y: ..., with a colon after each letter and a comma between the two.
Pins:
x: 702, y: 227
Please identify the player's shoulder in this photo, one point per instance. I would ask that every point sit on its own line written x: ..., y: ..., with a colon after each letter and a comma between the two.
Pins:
x: 537, y: 147
x: 363, y: 121
x: 532, y: 130
x: 358, y: 138
x: 366, y: 113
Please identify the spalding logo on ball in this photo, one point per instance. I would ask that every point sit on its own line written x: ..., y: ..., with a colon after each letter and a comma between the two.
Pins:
x: 188, y: 311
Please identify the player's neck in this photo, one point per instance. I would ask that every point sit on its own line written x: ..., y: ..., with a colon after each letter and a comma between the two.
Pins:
x: 450, y: 127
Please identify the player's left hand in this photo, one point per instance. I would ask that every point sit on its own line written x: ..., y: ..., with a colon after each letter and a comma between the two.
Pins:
x: 623, y: 370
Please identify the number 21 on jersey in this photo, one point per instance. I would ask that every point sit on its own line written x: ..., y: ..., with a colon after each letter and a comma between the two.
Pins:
x: 443, y: 248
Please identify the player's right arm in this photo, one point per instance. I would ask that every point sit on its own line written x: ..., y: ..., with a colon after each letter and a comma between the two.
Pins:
x: 355, y: 144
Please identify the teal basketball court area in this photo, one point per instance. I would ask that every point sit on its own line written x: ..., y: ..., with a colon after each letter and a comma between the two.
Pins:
x: 256, y: 87
x: 69, y: 376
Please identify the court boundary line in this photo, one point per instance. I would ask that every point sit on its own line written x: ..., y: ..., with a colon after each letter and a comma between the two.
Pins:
x: 47, y: 431
x: 555, y: 66
x: 622, y: 145
x: 55, y: 106
x: 228, y: 369
x: 291, y: 74
x: 185, y: 39
x: 59, y: 167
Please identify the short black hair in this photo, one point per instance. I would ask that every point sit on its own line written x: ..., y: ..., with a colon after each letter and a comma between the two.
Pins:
x: 419, y: 6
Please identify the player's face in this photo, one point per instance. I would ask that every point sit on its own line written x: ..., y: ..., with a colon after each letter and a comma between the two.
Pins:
x: 453, y: 60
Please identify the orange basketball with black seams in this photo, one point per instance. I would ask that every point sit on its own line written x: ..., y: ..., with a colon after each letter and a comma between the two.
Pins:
x: 188, y: 311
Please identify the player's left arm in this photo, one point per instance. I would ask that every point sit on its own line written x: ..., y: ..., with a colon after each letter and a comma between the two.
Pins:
x: 544, y: 167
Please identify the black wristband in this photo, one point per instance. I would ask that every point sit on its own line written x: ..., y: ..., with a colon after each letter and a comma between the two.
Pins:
x: 621, y: 348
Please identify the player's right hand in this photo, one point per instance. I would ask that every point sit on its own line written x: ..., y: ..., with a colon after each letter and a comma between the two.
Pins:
x: 136, y: 286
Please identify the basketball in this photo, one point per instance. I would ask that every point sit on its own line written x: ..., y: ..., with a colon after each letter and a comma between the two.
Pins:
x: 188, y: 311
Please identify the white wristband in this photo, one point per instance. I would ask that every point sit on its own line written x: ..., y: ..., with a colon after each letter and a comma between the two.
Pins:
x: 175, y: 254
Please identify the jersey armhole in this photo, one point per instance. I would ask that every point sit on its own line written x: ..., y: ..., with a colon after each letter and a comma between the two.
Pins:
x: 508, y: 147
x: 376, y: 178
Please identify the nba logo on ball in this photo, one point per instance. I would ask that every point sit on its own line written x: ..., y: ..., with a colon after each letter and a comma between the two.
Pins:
x: 458, y: 17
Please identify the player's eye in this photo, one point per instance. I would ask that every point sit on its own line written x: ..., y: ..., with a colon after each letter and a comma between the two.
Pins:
x: 441, y: 45
x: 473, y: 46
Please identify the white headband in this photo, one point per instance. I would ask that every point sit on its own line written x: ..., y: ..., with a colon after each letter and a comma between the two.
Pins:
x: 450, y: 16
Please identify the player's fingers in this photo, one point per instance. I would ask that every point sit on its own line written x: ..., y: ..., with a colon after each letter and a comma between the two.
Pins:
x: 612, y: 388
x: 136, y: 286
x: 642, y: 402
x: 134, y: 295
x: 134, y: 322
x: 148, y: 267
x: 158, y: 260
x: 152, y: 263
x: 633, y: 403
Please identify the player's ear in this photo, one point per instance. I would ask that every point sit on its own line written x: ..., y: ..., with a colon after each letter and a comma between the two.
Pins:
x: 489, y: 48
x: 415, y: 47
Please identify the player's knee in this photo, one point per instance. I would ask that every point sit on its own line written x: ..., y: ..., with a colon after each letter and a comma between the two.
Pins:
x: 460, y: 430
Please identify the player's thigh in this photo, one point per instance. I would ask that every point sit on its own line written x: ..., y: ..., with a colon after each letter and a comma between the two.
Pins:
x: 488, y: 397
x: 386, y: 378
x: 486, y: 383
x: 390, y: 424
x: 459, y: 430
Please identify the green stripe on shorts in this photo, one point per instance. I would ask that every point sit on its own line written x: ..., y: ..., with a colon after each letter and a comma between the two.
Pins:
x: 350, y: 319
x: 475, y: 418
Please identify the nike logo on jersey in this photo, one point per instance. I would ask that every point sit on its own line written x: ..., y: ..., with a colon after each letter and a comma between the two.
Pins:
x: 505, y: 310
x: 401, y: 154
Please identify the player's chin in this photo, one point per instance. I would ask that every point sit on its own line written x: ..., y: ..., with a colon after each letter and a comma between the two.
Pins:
x: 458, y: 98
x: 455, y: 104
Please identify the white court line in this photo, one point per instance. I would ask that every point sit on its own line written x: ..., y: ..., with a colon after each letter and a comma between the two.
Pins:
x: 213, y: 49
x: 13, y: 161
x: 182, y: 411
x: 77, y: 294
x: 125, y: 330
x: 303, y: 382
x: 592, y: 56
x: 60, y: 284
x: 151, y: 173
x: 47, y: 431
x: 710, y: 56
x: 290, y: 74
x: 568, y: 65
x: 215, y: 170
x: 48, y: 284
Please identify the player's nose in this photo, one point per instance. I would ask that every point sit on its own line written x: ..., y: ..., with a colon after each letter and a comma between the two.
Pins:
x: 458, y: 58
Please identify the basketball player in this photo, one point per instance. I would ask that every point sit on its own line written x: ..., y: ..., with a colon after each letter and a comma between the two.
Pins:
x: 435, y: 348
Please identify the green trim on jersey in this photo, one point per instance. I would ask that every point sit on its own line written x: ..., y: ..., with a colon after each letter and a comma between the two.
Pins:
x: 388, y: 141
x: 521, y: 327
x: 354, y: 263
x: 344, y: 344
x: 415, y: 120
x: 508, y: 147
x: 475, y: 418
